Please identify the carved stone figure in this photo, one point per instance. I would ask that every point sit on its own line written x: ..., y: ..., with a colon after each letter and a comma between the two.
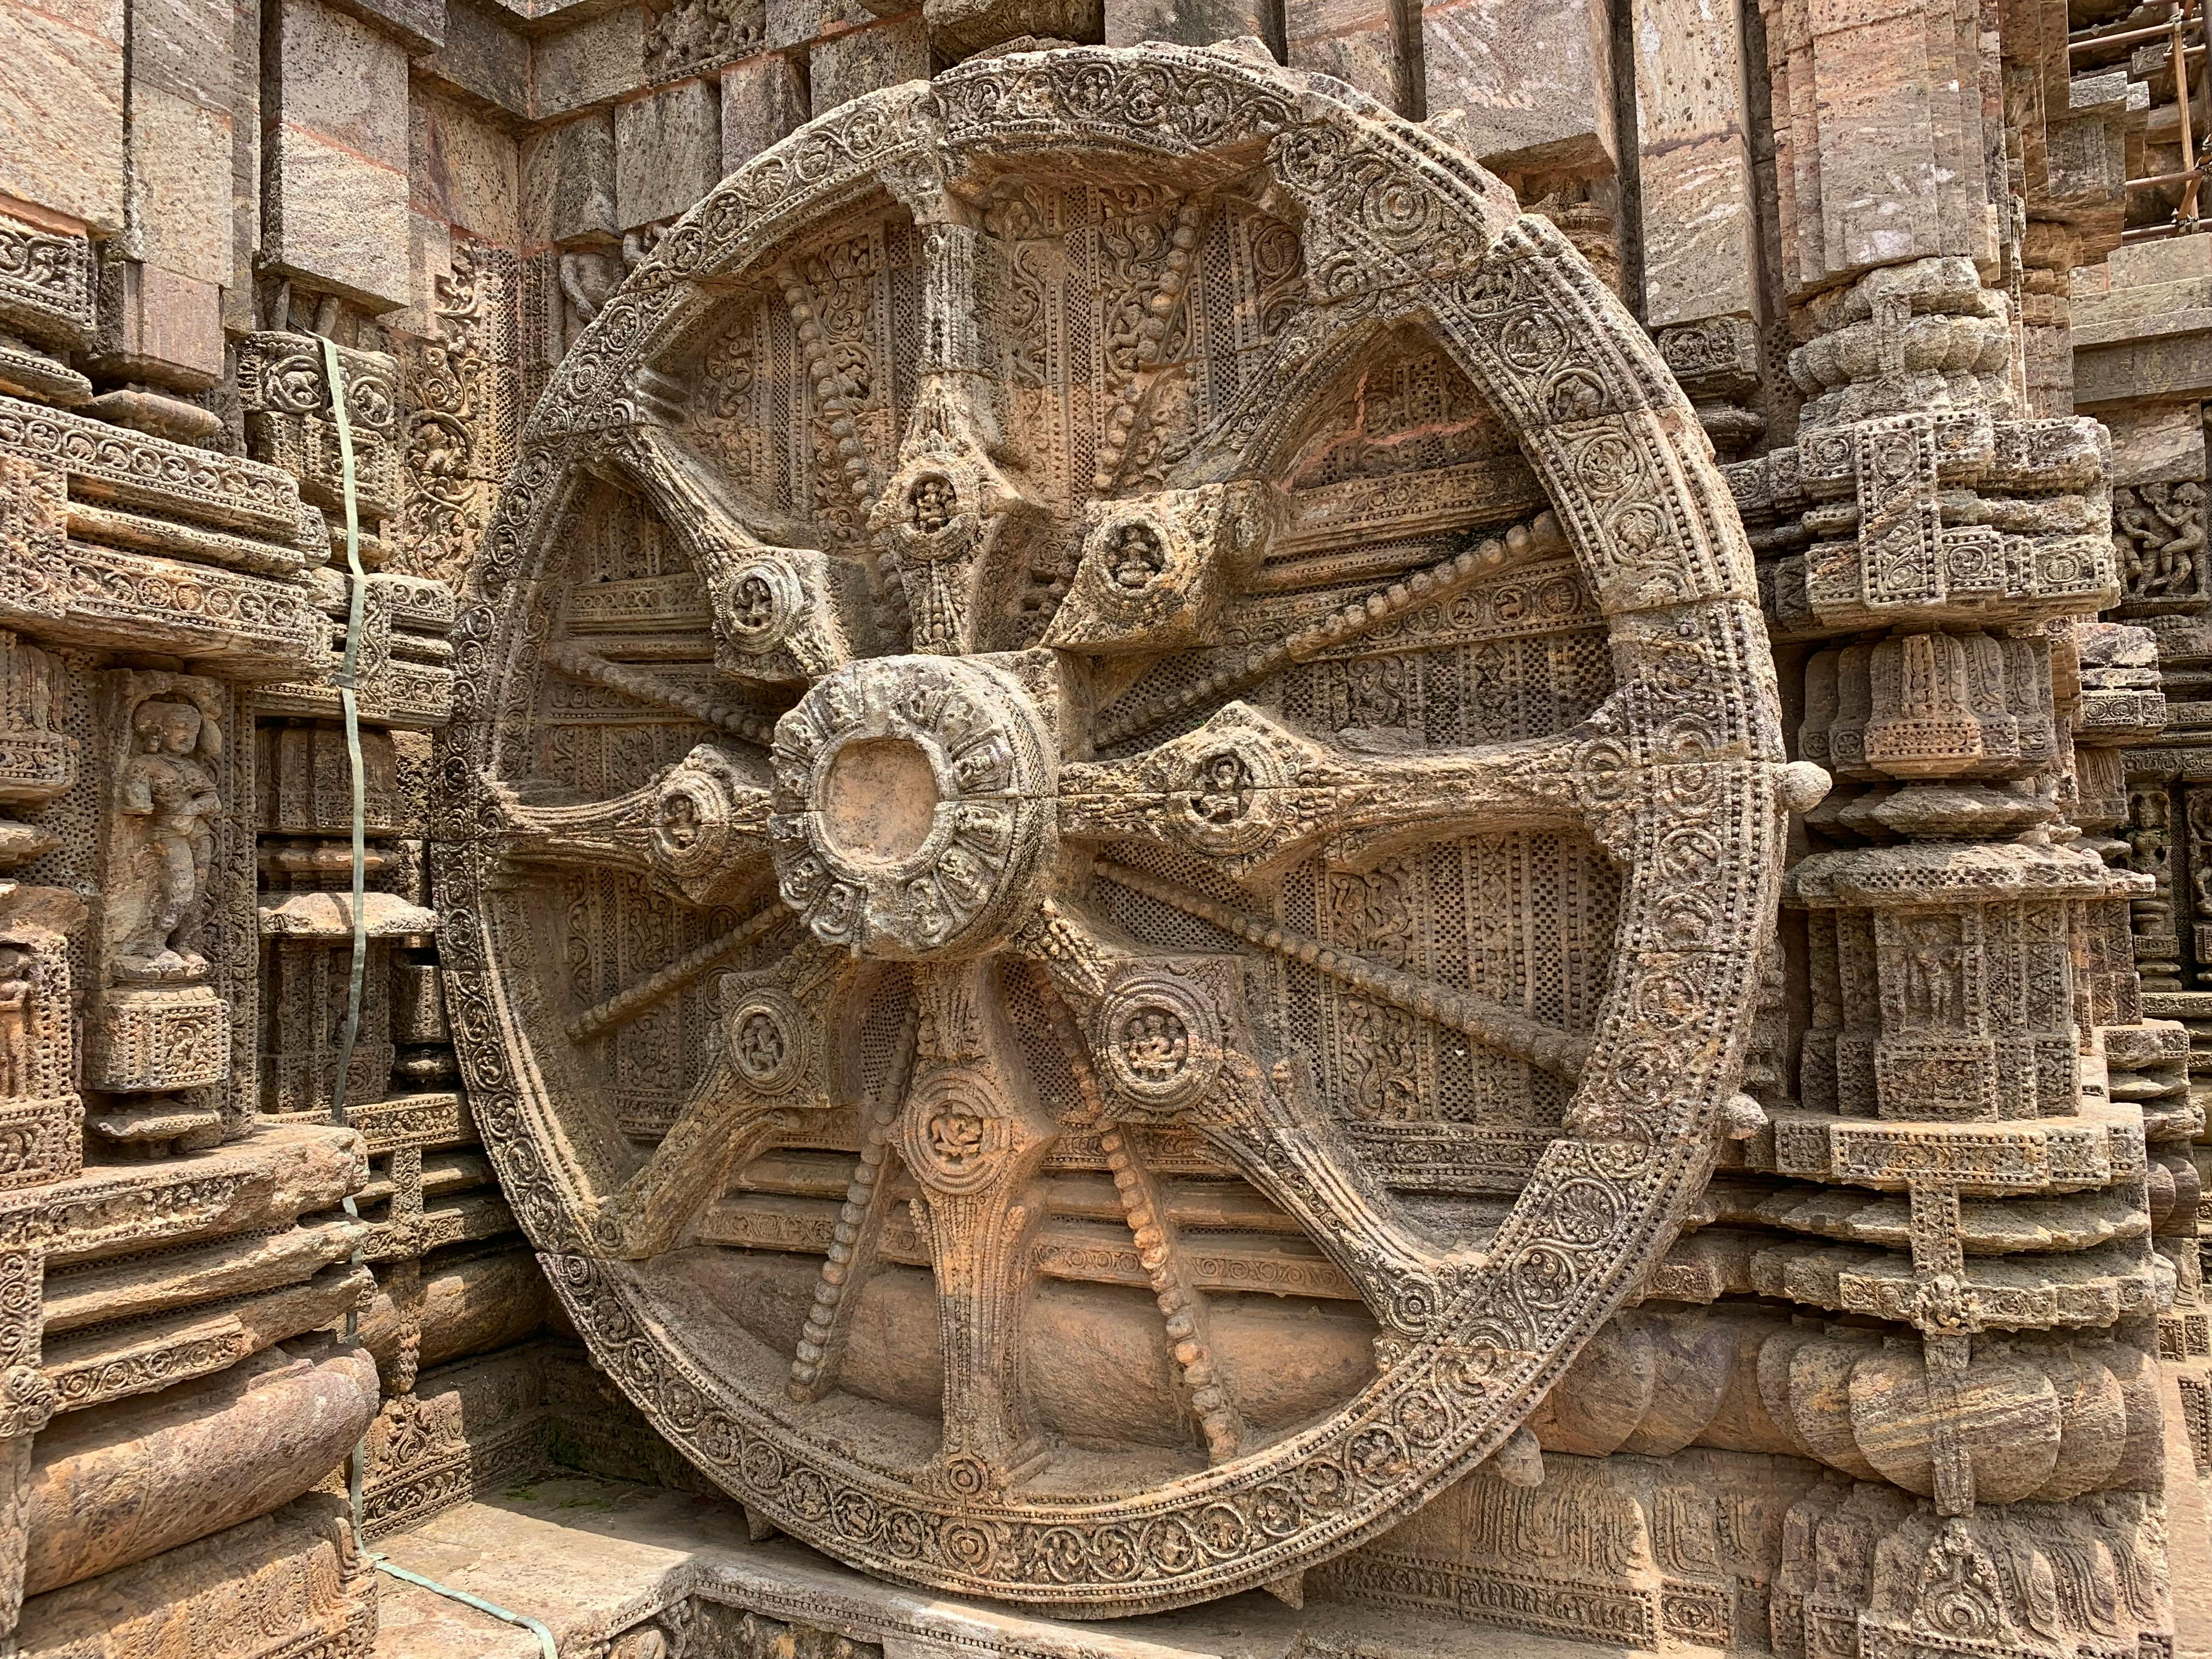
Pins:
x: 165, y: 782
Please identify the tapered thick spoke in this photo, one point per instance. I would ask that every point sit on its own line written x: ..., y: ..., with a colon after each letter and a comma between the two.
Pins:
x: 1254, y: 795
x: 771, y: 1075
x: 973, y: 1139
x: 778, y: 611
x: 701, y: 828
x: 1171, y: 1045
x: 1279, y: 1137
x: 1493, y: 1024
x: 951, y: 518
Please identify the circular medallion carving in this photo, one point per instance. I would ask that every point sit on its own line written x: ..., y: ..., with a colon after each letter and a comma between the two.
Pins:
x: 762, y: 603
x: 1103, y: 876
x: 768, y: 1033
x: 1227, y: 798
x: 1160, y: 1040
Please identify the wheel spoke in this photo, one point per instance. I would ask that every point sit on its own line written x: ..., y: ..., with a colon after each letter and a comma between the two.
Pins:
x: 974, y: 1141
x: 1172, y: 1042
x: 776, y: 609
x: 701, y: 828
x: 857, y: 1236
x: 1155, y: 568
x: 1182, y: 1303
x: 655, y: 692
x: 662, y: 983
x: 1557, y: 1050
x: 770, y: 1075
x: 1541, y: 539
x: 950, y: 518
x: 1281, y: 1139
x: 1255, y: 796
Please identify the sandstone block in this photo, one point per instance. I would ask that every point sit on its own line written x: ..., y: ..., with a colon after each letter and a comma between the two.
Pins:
x: 845, y: 65
x: 420, y: 24
x: 960, y: 28
x: 180, y: 156
x: 2156, y: 442
x: 296, y: 1567
x: 763, y: 99
x: 568, y: 181
x: 336, y: 217
x: 1700, y: 256
x: 465, y: 170
x: 170, y: 50
x: 1187, y: 22
x: 1535, y: 78
x: 486, y: 58
x: 61, y: 110
x: 430, y: 257
x: 157, y: 326
x: 668, y: 151
x: 120, y: 1483
x: 1359, y: 41
x: 340, y: 79
x: 796, y: 22
x: 594, y: 62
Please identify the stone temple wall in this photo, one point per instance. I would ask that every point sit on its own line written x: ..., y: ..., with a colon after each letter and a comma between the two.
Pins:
x: 1910, y: 1356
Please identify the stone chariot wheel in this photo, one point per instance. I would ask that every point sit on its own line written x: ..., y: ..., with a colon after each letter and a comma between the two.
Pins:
x: 1117, y: 792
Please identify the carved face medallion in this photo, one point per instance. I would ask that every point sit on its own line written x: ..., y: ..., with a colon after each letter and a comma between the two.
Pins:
x: 763, y: 603
x: 1134, y: 797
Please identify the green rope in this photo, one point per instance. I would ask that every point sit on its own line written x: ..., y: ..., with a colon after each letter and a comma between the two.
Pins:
x: 357, y: 975
x: 535, y: 1627
x: 347, y: 683
x: 347, y: 680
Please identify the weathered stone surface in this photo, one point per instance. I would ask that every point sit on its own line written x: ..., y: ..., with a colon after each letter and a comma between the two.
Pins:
x: 568, y: 181
x: 114, y: 1485
x: 845, y: 66
x: 471, y: 168
x: 668, y: 151
x: 590, y: 61
x: 1105, y: 893
x: 297, y: 1568
x: 61, y: 110
x: 764, y: 99
x: 1534, y: 80
x: 336, y: 180
x: 1694, y: 167
x: 1360, y: 42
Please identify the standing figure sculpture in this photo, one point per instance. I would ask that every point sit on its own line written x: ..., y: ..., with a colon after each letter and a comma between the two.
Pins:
x: 19, y: 977
x: 167, y: 782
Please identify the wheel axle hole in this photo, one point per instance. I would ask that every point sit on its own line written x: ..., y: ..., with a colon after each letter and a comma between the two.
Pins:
x: 879, y: 800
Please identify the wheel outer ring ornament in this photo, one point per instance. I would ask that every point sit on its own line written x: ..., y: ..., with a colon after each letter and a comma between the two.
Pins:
x: 1509, y: 1328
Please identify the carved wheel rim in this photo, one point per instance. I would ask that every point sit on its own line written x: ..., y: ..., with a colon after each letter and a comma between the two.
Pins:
x: 1677, y: 777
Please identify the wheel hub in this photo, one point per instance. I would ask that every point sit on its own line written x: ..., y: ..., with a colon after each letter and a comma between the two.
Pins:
x: 913, y: 815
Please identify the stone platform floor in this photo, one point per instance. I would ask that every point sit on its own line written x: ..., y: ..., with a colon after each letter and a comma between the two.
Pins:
x: 590, y: 1557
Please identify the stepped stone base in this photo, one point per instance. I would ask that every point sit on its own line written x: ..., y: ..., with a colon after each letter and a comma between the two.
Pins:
x: 631, y: 1572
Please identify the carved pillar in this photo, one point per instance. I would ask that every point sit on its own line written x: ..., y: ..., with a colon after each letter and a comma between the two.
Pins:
x: 1972, y: 1034
x: 27, y: 1402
